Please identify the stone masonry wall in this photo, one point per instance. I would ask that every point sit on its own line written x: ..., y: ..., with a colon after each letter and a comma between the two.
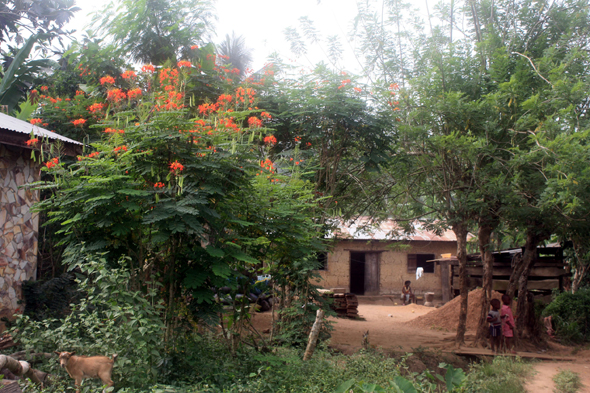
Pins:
x: 19, y: 227
x: 392, y: 264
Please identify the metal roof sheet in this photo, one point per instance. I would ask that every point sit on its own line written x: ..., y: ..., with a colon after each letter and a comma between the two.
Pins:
x: 13, y: 124
x: 365, y: 228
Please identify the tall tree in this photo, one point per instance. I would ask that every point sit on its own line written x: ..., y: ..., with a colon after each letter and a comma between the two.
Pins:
x: 154, y: 31
x: 20, y: 19
x: 235, y: 52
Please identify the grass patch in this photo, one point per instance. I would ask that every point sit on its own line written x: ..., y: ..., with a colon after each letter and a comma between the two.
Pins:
x: 503, y: 375
x: 567, y: 381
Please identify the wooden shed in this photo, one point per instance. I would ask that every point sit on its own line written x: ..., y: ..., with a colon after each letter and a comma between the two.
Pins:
x: 549, y: 272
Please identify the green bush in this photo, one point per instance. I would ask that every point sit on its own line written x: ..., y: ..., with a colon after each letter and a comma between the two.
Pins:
x: 571, y: 316
x: 110, y: 318
x: 567, y: 381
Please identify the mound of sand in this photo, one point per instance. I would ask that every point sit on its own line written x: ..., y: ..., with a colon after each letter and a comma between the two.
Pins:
x: 447, y: 317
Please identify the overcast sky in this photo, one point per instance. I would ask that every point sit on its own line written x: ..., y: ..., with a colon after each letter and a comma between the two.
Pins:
x: 262, y: 23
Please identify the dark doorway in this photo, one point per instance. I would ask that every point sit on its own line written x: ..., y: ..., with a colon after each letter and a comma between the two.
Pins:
x: 357, y: 273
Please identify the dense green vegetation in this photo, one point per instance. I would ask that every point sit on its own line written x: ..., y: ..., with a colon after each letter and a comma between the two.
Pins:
x: 571, y: 316
x: 199, y: 179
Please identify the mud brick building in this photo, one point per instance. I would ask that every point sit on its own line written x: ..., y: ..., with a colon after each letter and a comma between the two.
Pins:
x: 376, y: 259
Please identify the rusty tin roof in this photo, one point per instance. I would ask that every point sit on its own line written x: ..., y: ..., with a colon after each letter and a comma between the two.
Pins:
x: 366, y: 228
x: 13, y: 124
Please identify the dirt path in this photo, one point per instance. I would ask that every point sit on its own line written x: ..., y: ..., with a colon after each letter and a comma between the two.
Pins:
x: 387, y: 329
x: 542, y: 381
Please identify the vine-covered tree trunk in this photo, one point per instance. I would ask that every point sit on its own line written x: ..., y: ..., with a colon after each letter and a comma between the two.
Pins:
x: 517, y: 268
x: 487, y: 260
x: 582, y: 266
x: 460, y: 231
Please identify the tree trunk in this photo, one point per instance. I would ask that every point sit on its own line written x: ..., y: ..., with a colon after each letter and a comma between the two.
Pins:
x: 579, y: 274
x: 460, y: 231
x: 581, y: 267
x: 487, y: 260
x: 313, y: 335
x: 517, y: 268
x: 525, y: 321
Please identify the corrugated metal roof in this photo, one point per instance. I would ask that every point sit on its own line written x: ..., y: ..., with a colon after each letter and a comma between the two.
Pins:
x: 13, y: 124
x: 365, y: 228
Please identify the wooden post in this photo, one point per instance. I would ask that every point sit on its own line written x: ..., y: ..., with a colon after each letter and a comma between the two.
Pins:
x: 445, y: 281
x: 313, y: 335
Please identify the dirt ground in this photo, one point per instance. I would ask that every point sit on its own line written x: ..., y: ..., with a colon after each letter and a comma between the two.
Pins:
x: 387, y: 326
x: 389, y: 329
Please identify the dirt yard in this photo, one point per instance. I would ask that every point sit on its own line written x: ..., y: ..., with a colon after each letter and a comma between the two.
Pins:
x: 390, y: 329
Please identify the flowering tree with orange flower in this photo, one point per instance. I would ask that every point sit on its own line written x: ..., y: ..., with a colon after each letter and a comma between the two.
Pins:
x: 177, y: 186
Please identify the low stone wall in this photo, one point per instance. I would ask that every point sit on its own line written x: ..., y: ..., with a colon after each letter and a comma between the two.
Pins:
x: 19, y: 227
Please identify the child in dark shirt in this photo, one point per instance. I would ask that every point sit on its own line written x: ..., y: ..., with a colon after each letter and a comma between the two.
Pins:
x: 495, y: 325
x: 407, y: 294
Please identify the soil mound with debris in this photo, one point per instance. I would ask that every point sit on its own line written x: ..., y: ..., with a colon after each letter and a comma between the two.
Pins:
x: 447, y: 317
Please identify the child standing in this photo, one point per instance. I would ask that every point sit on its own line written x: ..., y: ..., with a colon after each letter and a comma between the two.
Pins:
x: 407, y: 292
x: 495, y: 325
x: 507, y: 323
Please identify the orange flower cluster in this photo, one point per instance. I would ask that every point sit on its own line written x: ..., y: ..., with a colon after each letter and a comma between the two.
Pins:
x: 184, y: 63
x: 169, y: 75
x: 79, y: 122
x: 129, y: 75
x: 33, y: 141
x: 268, y: 165
x: 243, y: 95
x: 116, y: 95
x: 133, y: 93
x: 79, y: 93
x: 195, y: 47
x: 176, y: 167
x: 35, y: 121
x: 254, y: 122
x: 344, y: 83
x: 50, y: 164
x: 205, y: 109
x: 357, y: 89
x: 229, y: 123
x: 120, y: 148
x: 114, y: 131
x: 224, y: 99
x: 270, y: 140
x: 148, y: 68
x: 266, y: 115
x: 297, y: 139
x: 234, y: 71
x: 96, y: 107
x: 44, y: 88
x: 91, y: 155
x: 159, y: 185
x: 107, y: 79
